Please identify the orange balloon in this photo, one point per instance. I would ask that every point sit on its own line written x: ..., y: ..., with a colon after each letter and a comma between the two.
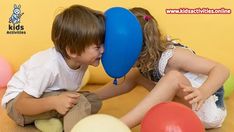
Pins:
x: 171, y: 117
x: 5, y: 72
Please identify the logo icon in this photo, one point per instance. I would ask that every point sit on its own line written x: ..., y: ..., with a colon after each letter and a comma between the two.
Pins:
x: 14, y: 26
x: 15, y: 17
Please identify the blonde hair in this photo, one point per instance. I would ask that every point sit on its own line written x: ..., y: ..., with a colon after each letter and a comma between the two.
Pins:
x: 153, y: 44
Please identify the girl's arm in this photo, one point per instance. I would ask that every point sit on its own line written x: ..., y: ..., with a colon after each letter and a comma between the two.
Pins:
x: 185, y: 60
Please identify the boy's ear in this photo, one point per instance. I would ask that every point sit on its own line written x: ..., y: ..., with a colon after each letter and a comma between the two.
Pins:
x: 70, y: 54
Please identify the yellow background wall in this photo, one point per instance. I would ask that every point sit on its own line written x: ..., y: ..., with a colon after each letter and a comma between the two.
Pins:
x: 209, y: 35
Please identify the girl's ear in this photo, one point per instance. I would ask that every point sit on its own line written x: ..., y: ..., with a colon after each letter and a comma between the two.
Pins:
x: 70, y: 54
x: 15, y: 6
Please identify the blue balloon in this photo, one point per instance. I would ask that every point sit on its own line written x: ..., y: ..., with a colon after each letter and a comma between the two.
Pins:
x: 123, y: 41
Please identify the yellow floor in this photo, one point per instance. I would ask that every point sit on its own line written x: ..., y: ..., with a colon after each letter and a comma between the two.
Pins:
x: 117, y: 107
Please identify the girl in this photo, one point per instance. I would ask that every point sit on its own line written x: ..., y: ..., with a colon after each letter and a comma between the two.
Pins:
x: 171, y: 71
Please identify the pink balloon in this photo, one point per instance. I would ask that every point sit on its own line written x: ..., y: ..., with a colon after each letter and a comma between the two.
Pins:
x: 6, y: 72
x: 171, y: 117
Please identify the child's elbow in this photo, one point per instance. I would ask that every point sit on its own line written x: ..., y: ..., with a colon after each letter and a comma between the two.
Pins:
x: 225, y: 71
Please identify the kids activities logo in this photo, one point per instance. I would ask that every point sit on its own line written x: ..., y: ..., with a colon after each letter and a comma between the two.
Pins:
x: 14, y: 26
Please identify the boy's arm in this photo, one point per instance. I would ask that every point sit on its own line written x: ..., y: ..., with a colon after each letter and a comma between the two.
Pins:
x: 62, y: 103
x: 28, y: 105
x: 110, y: 90
x: 124, y: 85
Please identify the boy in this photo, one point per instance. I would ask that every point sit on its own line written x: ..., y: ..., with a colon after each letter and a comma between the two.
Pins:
x: 46, y: 85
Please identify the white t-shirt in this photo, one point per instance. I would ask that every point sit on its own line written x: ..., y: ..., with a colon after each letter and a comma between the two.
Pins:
x: 45, y: 71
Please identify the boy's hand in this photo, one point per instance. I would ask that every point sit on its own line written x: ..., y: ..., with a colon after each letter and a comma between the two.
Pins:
x: 65, y: 101
x: 195, y: 96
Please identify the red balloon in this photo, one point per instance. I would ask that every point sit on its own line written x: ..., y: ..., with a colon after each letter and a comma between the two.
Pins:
x: 171, y: 117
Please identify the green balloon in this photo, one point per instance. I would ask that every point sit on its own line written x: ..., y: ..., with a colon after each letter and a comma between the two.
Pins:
x: 229, y: 86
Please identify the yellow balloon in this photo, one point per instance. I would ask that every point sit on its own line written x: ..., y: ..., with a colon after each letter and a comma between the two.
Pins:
x: 100, y: 123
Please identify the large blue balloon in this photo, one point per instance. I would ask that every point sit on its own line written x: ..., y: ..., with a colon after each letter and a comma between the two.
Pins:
x: 123, y: 41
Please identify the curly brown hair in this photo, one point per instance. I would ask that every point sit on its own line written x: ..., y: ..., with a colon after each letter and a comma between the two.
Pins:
x: 153, y: 43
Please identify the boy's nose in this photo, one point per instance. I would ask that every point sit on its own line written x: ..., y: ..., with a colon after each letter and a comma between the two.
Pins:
x: 102, y: 49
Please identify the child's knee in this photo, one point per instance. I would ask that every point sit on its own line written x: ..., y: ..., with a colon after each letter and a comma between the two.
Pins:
x: 174, y: 77
x: 177, y: 77
x: 93, y: 100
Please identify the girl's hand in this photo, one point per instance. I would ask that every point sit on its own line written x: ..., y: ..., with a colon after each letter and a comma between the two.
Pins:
x: 65, y: 101
x: 195, y: 97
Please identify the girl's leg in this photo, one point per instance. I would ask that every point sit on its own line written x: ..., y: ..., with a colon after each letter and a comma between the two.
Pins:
x: 165, y: 90
x: 149, y: 85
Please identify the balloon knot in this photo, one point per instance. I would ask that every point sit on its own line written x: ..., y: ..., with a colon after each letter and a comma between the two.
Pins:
x: 115, y: 82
